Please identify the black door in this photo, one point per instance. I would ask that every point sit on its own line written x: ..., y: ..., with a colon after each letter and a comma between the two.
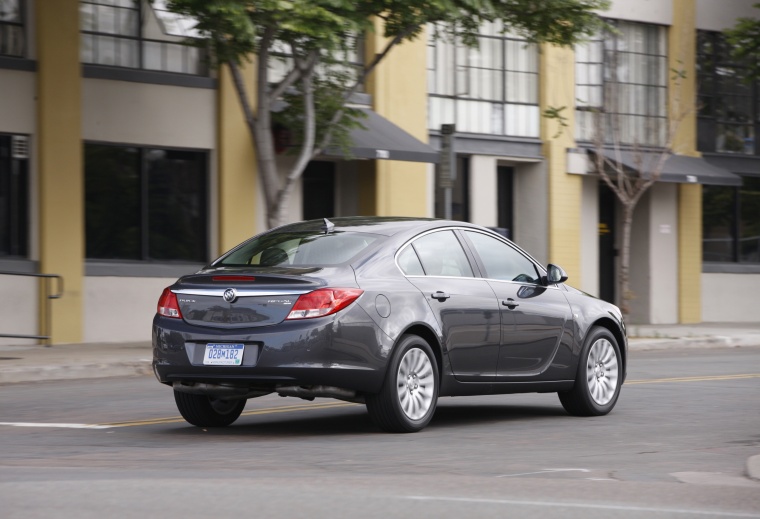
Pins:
x: 607, y: 251
x: 318, y: 183
x: 505, y: 186
x: 465, y: 306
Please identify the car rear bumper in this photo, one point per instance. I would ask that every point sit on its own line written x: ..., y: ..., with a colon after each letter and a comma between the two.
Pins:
x: 345, y: 351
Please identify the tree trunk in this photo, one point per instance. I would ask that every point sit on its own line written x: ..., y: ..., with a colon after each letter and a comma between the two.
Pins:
x: 625, y: 261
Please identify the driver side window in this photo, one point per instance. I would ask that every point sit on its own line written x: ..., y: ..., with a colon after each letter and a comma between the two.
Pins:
x: 501, y: 261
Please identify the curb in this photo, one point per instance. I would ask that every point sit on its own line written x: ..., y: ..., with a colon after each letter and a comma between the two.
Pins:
x: 75, y: 372
x: 647, y: 343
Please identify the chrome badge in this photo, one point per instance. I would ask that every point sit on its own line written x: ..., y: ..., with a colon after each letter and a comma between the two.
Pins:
x: 230, y: 295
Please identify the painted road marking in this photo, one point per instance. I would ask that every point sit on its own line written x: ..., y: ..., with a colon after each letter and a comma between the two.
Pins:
x: 543, y: 471
x: 60, y: 425
x: 592, y: 506
x: 704, y: 378
x: 332, y: 405
x: 253, y: 412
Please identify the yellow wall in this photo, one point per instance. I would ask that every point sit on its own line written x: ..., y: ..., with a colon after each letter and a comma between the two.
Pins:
x: 557, y: 89
x: 399, y: 92
x: 59, y: 152
x: 682, y: 95
x: 237, y: 164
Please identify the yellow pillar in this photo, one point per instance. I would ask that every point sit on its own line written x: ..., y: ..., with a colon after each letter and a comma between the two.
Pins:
x: 236, y: 163
x: 557, y: 76
x: 682, y: 97
x: 59, y: 161
x: 399, y: 93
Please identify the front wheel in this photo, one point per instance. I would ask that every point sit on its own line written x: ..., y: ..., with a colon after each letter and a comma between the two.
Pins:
x: 407, y: 400
x: 597, y: 382
x: 206, y: 411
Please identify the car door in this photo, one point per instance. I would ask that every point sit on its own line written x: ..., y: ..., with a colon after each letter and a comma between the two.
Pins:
x: 534, y: 317
x: 464, y: 305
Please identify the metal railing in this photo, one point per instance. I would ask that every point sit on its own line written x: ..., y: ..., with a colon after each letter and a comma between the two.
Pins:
x: 48, y: 297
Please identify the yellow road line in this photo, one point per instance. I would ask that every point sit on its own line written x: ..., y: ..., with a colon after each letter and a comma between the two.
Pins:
x: 253, y: 412
x: 332, y: 405
x: 704, y: 378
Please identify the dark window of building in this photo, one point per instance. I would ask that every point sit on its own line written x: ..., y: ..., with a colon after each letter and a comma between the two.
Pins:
x: 14, y: 195
x: 731, y: 222
x: 145, y: 203
x: 729, y: 105
x: 622, y: 78
x: 12, y: 37
x: 138, y: 34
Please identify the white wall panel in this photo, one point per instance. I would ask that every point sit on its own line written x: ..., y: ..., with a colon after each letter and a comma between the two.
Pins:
x: 647, y: 11
x: 17, y: 101
x: 730, y: 298
x: 717, y: 15
x: 18, y: 308
x: 120, y: 309
x: 147, y: 114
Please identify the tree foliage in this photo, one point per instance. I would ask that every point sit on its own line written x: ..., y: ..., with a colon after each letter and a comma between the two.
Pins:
x: 744, y: 39
x: 308, y: 37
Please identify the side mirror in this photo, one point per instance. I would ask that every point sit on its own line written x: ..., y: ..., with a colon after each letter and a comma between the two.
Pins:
x: 554, y: 275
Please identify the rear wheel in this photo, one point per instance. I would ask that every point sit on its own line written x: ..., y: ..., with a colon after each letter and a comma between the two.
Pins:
x: 597, y: 383
x: 206, y: 411
x: 407, y: 400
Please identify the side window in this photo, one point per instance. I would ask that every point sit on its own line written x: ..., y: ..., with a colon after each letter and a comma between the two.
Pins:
x: 441, y: 254
x: 410, y: 263
x: 502, y: 261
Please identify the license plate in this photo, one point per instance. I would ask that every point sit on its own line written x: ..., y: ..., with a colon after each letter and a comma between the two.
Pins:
x: 223, y: 354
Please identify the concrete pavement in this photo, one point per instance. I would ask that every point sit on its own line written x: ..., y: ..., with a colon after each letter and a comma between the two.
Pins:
x: 33, y: 362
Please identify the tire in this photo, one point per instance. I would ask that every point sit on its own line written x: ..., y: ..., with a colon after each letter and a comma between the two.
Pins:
x: 599, y: 377
x: 406, y: 403
x: 206, y: 411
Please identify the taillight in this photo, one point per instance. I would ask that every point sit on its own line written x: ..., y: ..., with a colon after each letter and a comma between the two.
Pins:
x: 324, y: 301
x: 168, y: 305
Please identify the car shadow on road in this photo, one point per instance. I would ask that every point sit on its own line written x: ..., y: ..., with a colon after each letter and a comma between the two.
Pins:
x: 350, y: 420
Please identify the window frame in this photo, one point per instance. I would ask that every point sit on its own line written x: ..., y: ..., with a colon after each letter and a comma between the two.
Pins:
x: 21, y: 26
x: 462, y: 72
x: 709, y: 123
x: 613, y: 115
x: 19, y: 217
x: 735, y: 229
x: 140, y: 8
x: 144, y: 212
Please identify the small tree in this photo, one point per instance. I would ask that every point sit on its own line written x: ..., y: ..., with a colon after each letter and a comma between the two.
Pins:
x: 310, y: 34
x: 744, y: 39
x: 629, y: 186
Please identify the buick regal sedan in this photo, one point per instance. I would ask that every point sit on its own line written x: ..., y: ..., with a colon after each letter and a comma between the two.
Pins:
x: 389, y: 312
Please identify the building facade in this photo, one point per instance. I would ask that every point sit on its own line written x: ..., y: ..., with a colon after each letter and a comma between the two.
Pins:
x: 125, y: 162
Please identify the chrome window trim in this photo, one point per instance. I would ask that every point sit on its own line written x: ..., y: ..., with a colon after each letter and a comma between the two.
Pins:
x: 541, y: 270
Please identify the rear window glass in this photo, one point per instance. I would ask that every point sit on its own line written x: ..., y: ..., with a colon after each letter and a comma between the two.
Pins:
x: 282, y: 249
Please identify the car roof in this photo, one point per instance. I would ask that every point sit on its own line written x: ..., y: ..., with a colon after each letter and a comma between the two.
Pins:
x: 383, y: 225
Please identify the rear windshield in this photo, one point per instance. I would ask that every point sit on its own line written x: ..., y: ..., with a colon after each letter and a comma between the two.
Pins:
x: 300, y: 248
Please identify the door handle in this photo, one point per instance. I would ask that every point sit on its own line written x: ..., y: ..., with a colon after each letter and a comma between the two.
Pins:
x: 440, y: 296
x: 510, y: 303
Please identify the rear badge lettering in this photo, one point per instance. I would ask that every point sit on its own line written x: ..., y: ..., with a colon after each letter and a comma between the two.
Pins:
x: 279, y: 301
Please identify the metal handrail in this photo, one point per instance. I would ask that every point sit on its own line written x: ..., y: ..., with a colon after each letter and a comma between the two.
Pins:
x: 48, y: 297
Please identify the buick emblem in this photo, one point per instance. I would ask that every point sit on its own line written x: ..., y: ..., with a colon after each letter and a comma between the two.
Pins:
x: 230, y: 295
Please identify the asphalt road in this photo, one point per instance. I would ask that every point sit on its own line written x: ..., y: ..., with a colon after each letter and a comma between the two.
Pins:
x: 675, y: 446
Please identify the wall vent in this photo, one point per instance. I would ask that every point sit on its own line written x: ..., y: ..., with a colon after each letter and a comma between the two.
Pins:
x: 20, y: 147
